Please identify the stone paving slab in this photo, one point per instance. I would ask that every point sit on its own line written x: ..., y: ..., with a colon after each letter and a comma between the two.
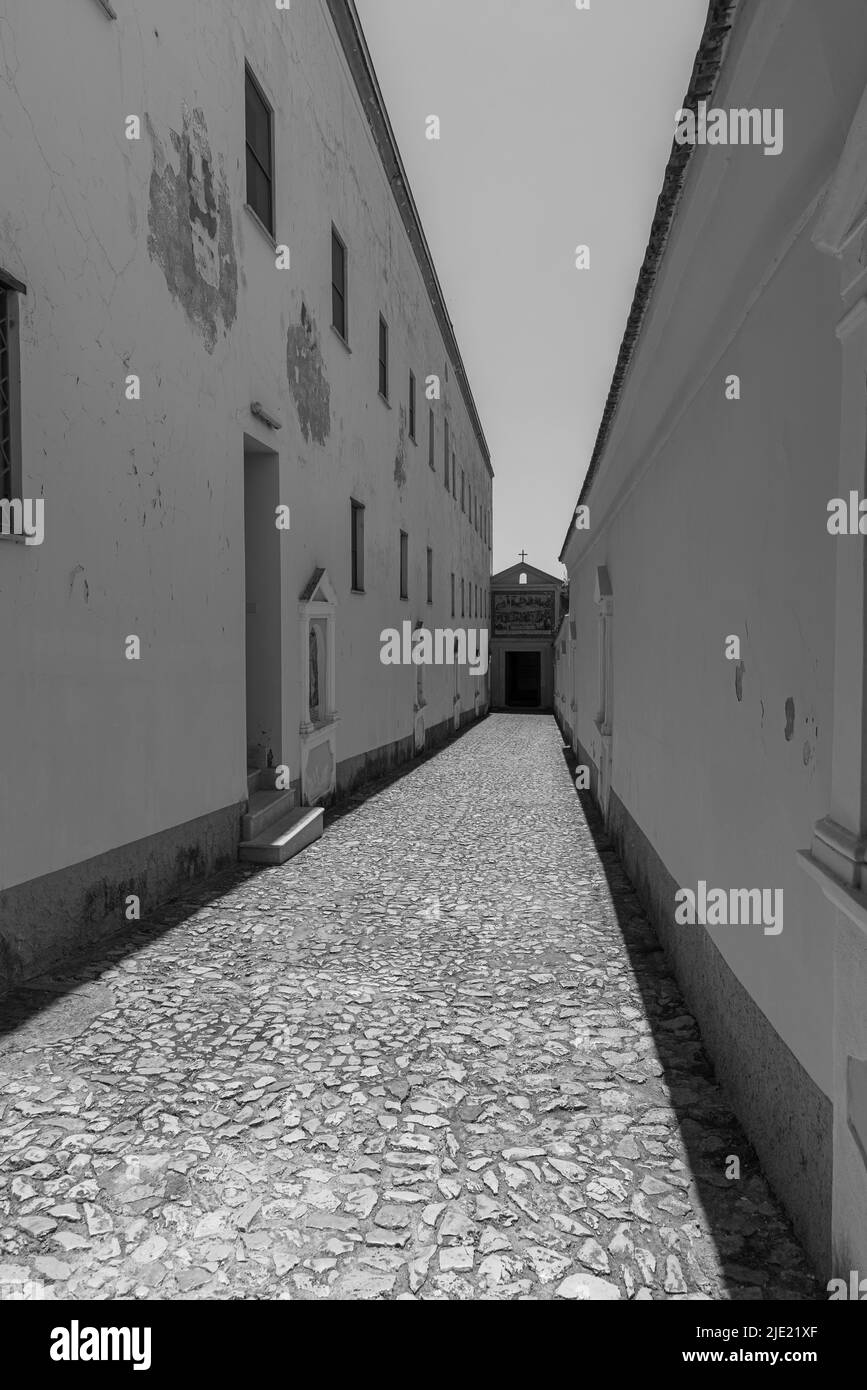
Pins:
x: 438, y: 1056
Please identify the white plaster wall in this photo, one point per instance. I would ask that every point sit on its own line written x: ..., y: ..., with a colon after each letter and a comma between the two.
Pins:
x: 330, y: 171
x: 710, y: 516
x: 144, y: 501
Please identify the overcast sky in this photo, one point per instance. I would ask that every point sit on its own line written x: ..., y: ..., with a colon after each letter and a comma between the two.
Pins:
x: 556, y: 128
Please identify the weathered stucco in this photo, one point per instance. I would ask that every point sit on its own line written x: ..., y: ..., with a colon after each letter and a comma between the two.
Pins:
x: 190, y: 227
x: 400, y: 456
x: 141, y: 259
x: 709, y: 516
x: 308, y: 384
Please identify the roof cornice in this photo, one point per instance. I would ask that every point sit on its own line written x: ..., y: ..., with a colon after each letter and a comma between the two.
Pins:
x: 705, y: 76
x: 347, y: 22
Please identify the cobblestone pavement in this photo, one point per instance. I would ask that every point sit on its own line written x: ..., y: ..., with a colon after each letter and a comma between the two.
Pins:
x: 417, y: 1061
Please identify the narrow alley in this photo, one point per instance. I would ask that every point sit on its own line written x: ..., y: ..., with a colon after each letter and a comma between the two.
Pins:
x: 439, y: 1055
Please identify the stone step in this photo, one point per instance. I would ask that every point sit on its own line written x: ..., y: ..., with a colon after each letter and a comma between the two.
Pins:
x: 265, y: 808
x: 261, y: 779
x: 286, y: 838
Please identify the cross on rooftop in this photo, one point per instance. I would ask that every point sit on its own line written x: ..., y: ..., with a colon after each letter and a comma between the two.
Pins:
x: 523, y: 556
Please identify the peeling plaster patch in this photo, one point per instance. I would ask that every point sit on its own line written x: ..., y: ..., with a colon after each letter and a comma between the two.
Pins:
x: 307, y: 382
x: 790, y: 719
x: 400, y: 457
x: 740, y: 671
x: 79, y: 570
x: 190, y: 228
x: 807, y: 753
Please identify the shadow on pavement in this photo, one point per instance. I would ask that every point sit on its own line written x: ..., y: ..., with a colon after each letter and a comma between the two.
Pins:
x: 759, y: 1253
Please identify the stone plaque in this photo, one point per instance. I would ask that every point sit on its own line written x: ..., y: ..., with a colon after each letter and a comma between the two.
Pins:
x: 523, y: 612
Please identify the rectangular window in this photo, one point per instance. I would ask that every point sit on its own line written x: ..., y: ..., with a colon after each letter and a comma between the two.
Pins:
x: 463, y: 613
x: 453, y: 593
x: 454, y: 478
x: 260, y: 152
x: 404, y: 565
x: 383, y: 358
x: 10, y: 400
x: 429, y: 575
x: 338, y: 285
x: 463, y: 490
x: 357, y: 547
x: 412, y: 406
x: 431, y: 439
x: 446, y: 455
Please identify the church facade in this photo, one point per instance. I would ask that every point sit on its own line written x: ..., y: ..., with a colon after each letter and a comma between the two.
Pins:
x: 717, y: 698
x: 525, y: 615
x: 239, y: 396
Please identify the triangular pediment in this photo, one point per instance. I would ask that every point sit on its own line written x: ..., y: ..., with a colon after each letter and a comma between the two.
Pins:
x: 319, y: 589
x: 535, y: 577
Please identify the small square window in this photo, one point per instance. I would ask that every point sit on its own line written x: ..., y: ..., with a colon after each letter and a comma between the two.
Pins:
x: 260, y: 152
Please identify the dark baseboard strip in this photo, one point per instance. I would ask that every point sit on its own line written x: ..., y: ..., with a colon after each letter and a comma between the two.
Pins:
x: 51, y: 919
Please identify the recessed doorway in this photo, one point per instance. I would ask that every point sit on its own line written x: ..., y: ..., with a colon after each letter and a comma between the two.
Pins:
x: 524, y: 679
x: 263, y: 607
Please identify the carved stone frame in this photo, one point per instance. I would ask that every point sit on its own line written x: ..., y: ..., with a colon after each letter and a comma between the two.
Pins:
x: 319, y: 601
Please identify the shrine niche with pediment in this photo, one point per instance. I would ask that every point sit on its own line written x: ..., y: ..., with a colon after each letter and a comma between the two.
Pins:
x: 523, y: 611
x: 319, y: 718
